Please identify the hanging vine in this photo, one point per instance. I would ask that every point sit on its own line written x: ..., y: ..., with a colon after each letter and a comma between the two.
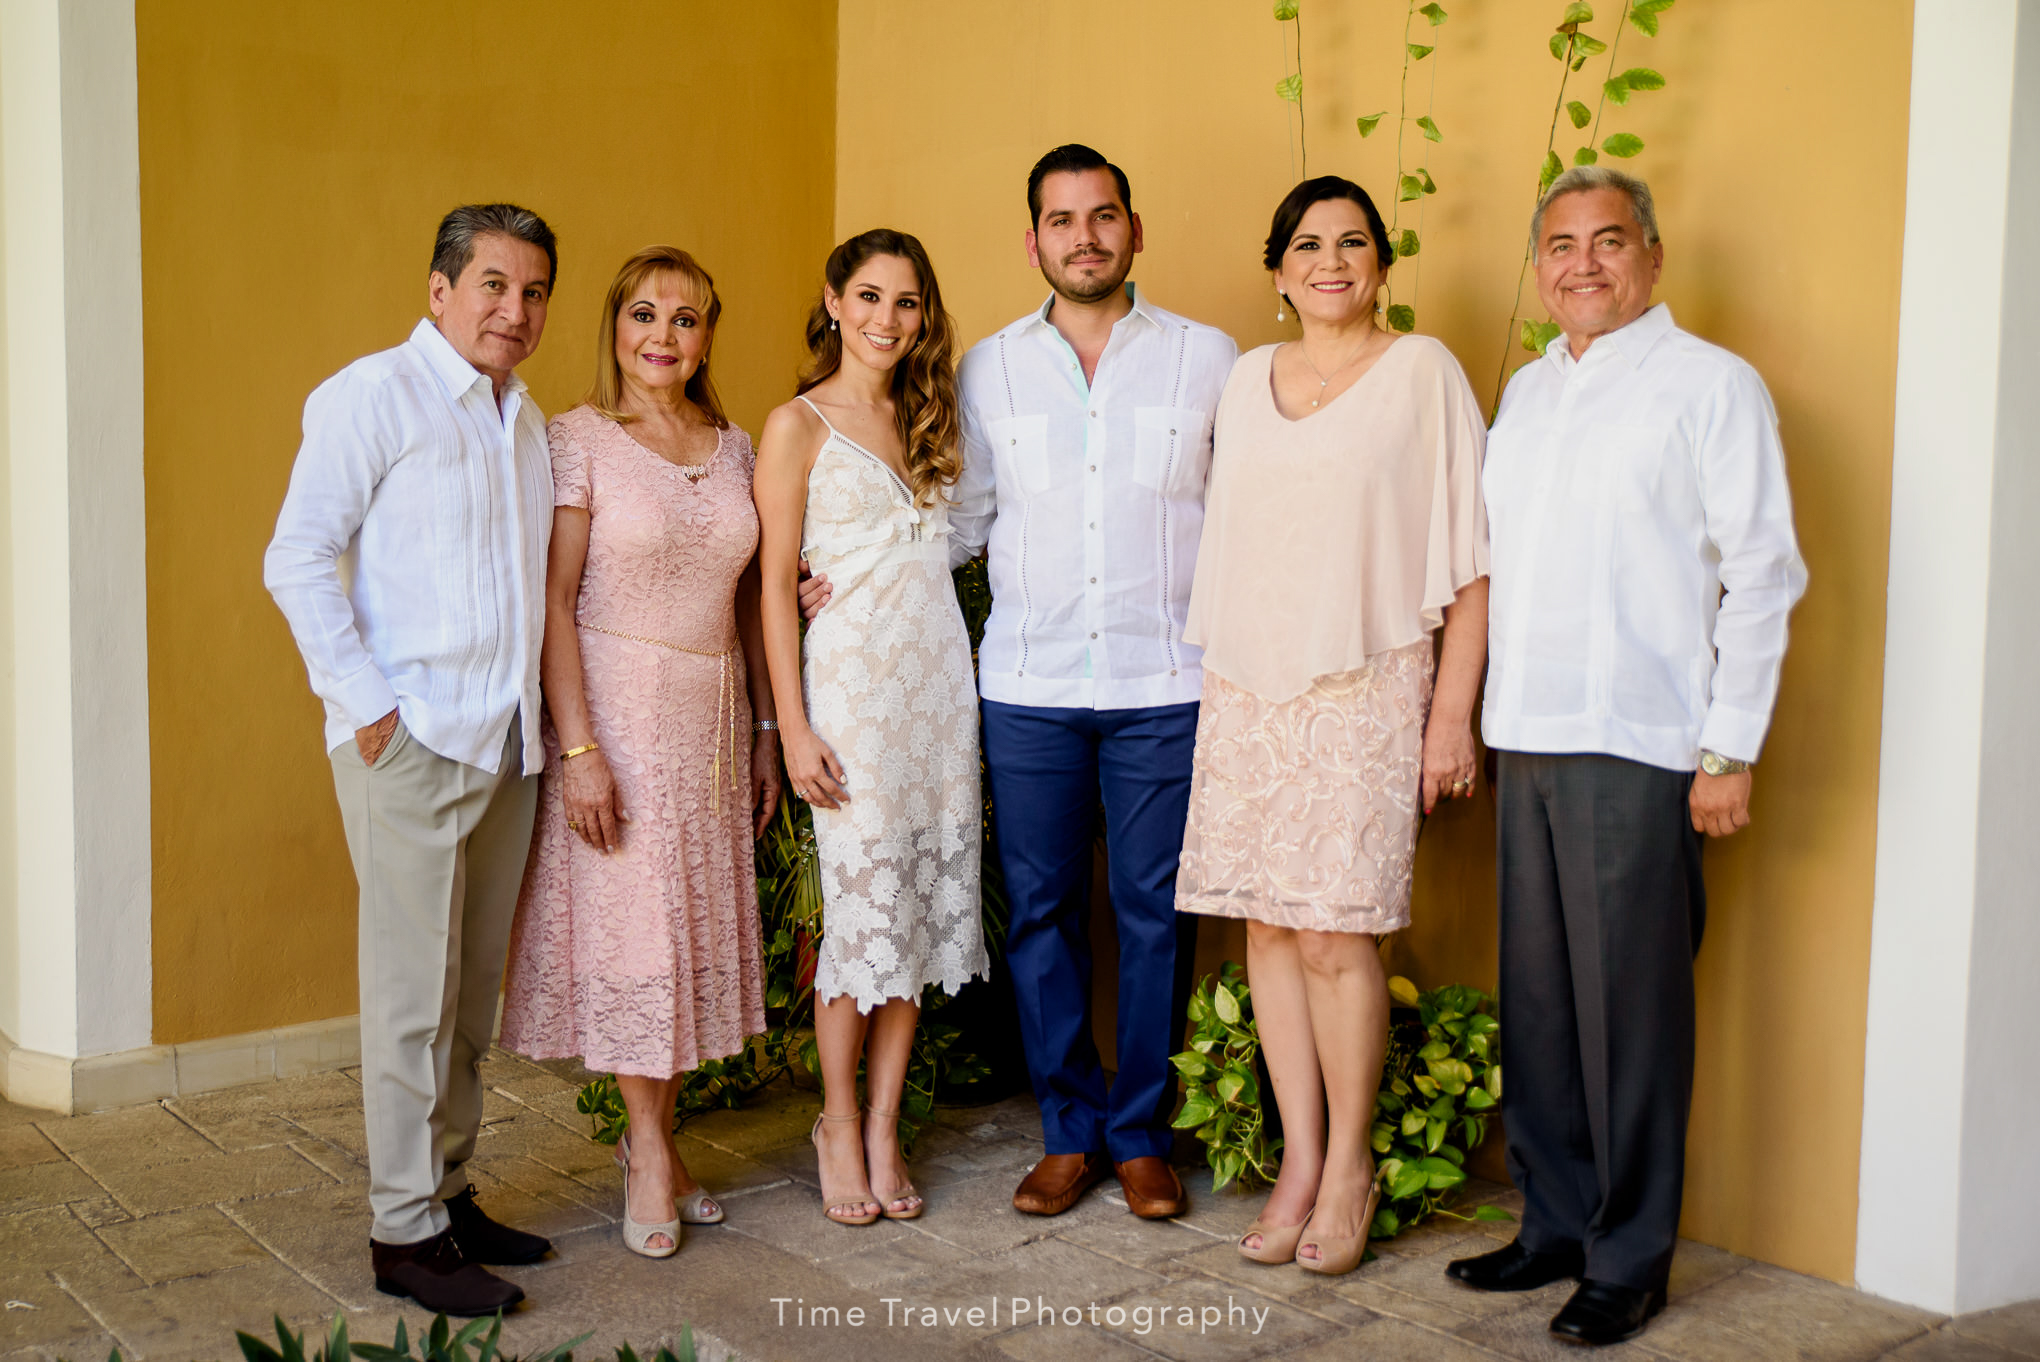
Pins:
x: 1290, y: 87
x: 1413, y: 185
x: 1573, y: 48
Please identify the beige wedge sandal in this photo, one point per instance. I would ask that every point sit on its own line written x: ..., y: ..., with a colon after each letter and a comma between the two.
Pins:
x: 637, y: 1235
x: 696, y: 1208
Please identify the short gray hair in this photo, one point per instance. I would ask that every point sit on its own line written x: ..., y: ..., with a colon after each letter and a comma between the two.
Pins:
x: 459, y: 230
x: 1584, y: 179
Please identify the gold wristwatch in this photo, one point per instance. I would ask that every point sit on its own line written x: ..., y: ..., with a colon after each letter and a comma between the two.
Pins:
x: 1714, y: 764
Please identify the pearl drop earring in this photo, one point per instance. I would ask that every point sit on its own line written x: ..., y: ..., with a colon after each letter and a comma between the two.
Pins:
x: 832, y: 323
x: 1279, y: 315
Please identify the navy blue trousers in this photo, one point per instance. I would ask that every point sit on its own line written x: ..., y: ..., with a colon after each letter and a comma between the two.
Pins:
x: 1049, y: 770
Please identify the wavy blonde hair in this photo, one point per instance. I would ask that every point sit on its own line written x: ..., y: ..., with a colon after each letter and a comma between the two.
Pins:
x: 925, y: 404
x: 606, y: 394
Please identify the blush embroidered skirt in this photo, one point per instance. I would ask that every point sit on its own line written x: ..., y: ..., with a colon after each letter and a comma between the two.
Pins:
x: 1303, y: 812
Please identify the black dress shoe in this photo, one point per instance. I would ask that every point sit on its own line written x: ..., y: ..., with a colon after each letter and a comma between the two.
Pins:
x: 434, y: 1273
x: 483, y: 1240
x: 1602, y: 1312
x: 1516, y: 1268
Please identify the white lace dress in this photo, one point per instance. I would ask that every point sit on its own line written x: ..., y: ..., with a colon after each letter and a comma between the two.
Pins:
x: 887, y: 678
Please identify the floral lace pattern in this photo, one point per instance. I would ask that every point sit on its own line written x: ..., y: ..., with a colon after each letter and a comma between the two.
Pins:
x: 887, y: 678
x: 647, y: 961
x: 1303, y: 813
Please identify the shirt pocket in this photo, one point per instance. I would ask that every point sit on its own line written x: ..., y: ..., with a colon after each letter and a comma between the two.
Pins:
x: 1168, y: 447
x: 1618, y: 465
x: 1020, y: 452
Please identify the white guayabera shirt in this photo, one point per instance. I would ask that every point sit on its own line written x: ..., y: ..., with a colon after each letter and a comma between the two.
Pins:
x: 1090, y: 499
x: 1626, y: 491
x: 409, y: 556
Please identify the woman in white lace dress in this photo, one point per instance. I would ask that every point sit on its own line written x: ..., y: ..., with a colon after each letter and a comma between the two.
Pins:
x: 880, y: 729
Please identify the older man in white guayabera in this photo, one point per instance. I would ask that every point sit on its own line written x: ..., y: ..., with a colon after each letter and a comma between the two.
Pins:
x: 1644, y: 564
x: 425, y: 468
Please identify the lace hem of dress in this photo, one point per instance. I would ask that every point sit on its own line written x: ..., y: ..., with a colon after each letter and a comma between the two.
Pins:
x: 949, y: 984
x: 1360, y: 919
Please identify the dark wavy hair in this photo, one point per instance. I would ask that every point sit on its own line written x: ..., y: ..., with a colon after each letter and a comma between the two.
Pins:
x: 925, y: 405
x: 1289, y: 215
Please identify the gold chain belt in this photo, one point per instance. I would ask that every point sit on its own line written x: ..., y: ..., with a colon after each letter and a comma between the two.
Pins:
x: 725, y: 708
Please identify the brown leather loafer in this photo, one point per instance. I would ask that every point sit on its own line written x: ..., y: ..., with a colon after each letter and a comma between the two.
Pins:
x: 1153, y: 1191
x: 1057, y: 1181
x: 434, y: 1273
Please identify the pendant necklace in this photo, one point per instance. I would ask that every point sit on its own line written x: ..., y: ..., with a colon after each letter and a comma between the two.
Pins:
x: 1322, y: 381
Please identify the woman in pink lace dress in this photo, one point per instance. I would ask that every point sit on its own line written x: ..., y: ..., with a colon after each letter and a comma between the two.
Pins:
x: 636, y: 946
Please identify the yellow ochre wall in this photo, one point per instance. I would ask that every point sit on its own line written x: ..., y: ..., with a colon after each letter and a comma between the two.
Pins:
x: 295, y: 161
x: 1780, y: 187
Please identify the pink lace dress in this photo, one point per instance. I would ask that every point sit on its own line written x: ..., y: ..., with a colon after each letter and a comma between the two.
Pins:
x: 647, y: 961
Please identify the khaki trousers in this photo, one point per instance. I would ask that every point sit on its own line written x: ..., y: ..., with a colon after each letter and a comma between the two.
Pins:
x: 439, y: 850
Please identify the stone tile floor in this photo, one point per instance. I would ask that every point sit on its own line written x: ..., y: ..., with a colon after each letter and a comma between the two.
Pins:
x: 160, y: 1229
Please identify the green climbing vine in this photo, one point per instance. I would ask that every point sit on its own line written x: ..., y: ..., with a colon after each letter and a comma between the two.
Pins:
x: 1413, y: 184
x: 1290, y: 87
x: 1573, y: 47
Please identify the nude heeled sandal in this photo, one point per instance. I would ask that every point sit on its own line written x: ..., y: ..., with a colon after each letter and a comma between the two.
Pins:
x: 1336, y: 1257
x: 906, y: 1193
x: 637, y: 1235
x: 839, y: 1211
x: 1278, y: 1242
x: 696, y: 1209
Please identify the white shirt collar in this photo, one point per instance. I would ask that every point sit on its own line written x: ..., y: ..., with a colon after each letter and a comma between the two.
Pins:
x: 1141, y: 308
x: 455, y: 374
x: 1631, y: 342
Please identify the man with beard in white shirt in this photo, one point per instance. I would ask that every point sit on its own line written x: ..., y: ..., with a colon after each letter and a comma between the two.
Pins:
x: 1087, y: 434
x: 1644, y: 564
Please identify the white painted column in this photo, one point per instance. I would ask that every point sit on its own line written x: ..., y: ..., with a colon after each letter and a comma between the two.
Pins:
x: 78, y: 874
x: 1950, y: 1191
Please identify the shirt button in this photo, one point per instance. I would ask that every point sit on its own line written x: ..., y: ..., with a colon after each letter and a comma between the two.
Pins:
x: 1094, y: 524
x: 1172, y: 670
x: 1172, y: 432
x: 1094, y: 468
x: 1094, y: 581
x: 1094, y: 636
x: 1012, y: 442
x: 1094, y: 416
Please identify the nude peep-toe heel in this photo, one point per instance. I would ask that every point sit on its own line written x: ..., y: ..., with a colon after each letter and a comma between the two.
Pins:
x: 697, y: 1208
x: 636, y: 1235
x: 1278, y: 1242
x: 838, y: 1211
x: 1336, y: 1257
x: 905, y: 1193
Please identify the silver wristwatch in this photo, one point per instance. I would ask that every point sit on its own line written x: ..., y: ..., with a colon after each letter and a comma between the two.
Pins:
x: 1714, y: 764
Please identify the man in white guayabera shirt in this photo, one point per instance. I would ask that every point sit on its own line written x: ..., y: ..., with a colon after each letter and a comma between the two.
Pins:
x: 424, y: 470
x: 1644, y: 564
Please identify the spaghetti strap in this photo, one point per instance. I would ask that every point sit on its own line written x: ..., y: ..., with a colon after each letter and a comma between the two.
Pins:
x: 802, y: 397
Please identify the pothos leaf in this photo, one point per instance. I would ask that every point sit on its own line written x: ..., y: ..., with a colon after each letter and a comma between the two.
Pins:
x: 1367, y: 122
x: 1429, y: 128
x: 1407, y: 245
x: 1418, y: 51
x: 1434, y: 13
x: 1615, y: 90
x: 1623, y: 144
x: 1558, y: 45
x: 1551, y: 170
x: 1586, y: 45
x: 1585, y: 156
x: 1290, y: 87
x: 1644, y: 14
x: 1408, y: 188
x: 1430, y: 185
x: 1579, y: 113
x: 1402, y: 317
x: 1227, y: 1005
x: 1285, y: 10
x: 1642, y: 78
x: 1578, y: 12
